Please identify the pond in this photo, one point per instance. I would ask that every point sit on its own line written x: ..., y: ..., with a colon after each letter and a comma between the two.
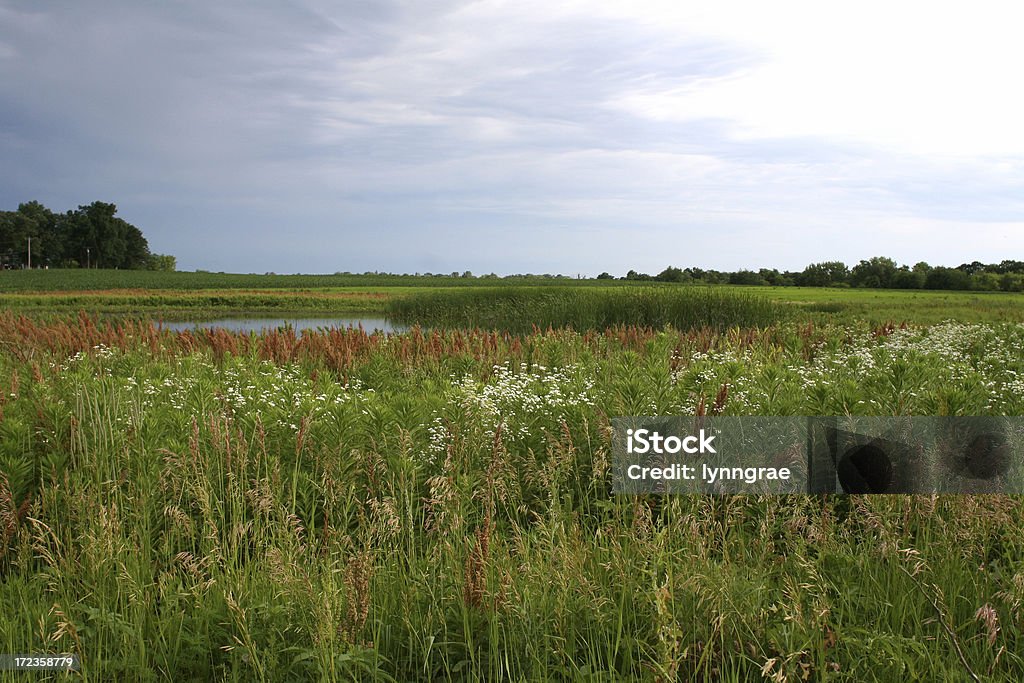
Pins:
x: 297, y: 324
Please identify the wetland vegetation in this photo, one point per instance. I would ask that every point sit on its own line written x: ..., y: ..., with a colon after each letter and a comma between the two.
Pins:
x: 436, y: 504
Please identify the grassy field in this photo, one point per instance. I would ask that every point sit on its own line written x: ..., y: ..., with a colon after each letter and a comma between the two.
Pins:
x: 918, y: 306
x: 522, y: 309
x: 175, y: 304
x: 72, y: 280
x: 437, y: 505
x: 175, y: 296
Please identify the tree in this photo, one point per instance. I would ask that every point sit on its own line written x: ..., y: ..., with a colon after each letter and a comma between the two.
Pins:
x: 605, y: 276
x: 1011, y: 282
x: 164, y: 262
x: 91, y: 235
x: 41, y: 224
x: 878, y: 271
x: 774, y: 278
x: 96, y: 237
x: 1008, y: 266
x: 985, y: 281
x: 947, y: 278
x: 714, y: 277
x: 10, y: 233
x: 671, y: 274
x: 906, y: 278
x: 824, y: 274
x: 972, y: 267
x: 745, y: 277
x: 117, y: 243
x: 32, y: 221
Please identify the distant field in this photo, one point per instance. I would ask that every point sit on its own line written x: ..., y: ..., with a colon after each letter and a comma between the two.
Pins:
x: 75, y: 280
x: 179, y: 295
x: 338, y: 505
x: 917, y: 306
x: 188, y: 303
x: 523, y: 309
x: 817, y: 304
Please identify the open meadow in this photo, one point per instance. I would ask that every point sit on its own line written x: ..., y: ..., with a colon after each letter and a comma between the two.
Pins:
x: 187, y: 296
x: 721, y: 379
x: 437, y: 504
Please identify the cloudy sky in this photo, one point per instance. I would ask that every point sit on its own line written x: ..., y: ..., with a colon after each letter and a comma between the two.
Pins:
x: 523, y: 136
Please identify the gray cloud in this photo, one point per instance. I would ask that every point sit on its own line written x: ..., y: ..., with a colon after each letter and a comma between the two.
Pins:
x: 324, y: 136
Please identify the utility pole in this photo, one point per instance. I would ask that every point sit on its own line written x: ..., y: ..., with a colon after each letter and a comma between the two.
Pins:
x: 30, y: 253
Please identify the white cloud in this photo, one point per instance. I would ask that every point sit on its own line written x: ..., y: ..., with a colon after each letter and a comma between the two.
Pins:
x: 788, y: 131
x: 921, y: 77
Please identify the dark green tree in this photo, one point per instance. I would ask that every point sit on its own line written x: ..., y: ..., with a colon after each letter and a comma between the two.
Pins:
x: 91, y: 235
x: 671, y: 274
x: 97, y: 237
x: 773, y: 277
x: 824, y: 274
x: 878, y: 271
x: 1007, y: 266
x: 746, y: 277
x: 972, y: 267
x: 947, y: 278
x: 164, y: 262
x: 906, y: 278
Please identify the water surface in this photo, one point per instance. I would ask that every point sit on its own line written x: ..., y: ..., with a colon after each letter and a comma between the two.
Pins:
x: 297, y: 324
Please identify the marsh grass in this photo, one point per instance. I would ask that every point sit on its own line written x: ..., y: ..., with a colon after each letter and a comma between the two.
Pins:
x: 74, y: 279
x: 188, y: 295
x: 337, y: 506
x: 191, y: 304
x: 519, y: 309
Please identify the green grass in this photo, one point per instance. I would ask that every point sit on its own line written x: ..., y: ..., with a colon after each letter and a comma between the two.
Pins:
x: 438, y: 506
x: 171, y: 304
x: 78, y: 280
x: 916, y: 306
x: 520, y: 309
x: 181, y: 295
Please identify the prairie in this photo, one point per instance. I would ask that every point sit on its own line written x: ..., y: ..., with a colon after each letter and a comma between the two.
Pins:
x: 436, y: 505
x: 177, y: 296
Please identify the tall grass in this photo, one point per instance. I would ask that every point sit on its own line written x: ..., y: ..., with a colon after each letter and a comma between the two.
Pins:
x: 519, y: 309
x: 167, y: 302
x: 437, y: 506
x: 72, y: 279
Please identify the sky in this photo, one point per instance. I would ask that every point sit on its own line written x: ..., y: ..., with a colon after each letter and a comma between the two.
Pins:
x: 572, y: 137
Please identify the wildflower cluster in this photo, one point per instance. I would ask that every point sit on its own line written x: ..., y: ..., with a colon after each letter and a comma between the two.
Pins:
x: 524, y: 399
x: 951, y: 367
x: 281, y: 395
x: 193, y: 386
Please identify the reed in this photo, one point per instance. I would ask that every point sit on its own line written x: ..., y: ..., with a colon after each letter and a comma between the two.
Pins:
x: 520, y: 309
x: 437, y: 505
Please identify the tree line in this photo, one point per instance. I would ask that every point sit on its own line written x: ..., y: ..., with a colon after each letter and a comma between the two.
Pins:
x: 91, y: 236
x: 877, y: 272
